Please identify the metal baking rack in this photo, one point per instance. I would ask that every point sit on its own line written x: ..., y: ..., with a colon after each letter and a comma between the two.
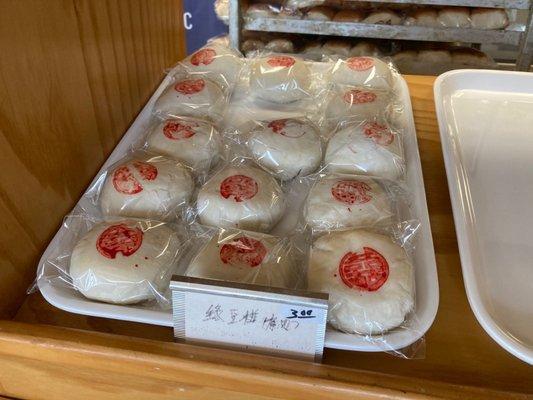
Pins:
x: 515, y: 35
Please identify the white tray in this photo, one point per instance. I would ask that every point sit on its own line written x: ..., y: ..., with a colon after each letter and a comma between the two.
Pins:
x: 486, y: 129
x: 427, y: 292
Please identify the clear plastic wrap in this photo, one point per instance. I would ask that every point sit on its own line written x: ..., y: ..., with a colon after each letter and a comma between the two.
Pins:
x: 286, y: 148
x: 194, y: 142
x: 217, y: 59
x: 280, y: 79
x: 143, y: 185
x: 247, y: 257
x: 119, y: 261
x: 369, y: 278
x: 296, y: 4
x: 345, y: 103
x: 337, y: 201
x: 423, y: 17
x: 489, y: 18
x: 454, y: 17
x: 383, y: 16
x: 371, y: 147
x: 241, y: 196
x: 200, y: 95
x: 363, y: 71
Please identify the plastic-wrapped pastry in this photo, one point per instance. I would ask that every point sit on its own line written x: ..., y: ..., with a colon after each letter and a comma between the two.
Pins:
x: 364, y: 49
x: 369, y: 279
x: 434, y: 57
x: 468, y: 57
x: 349, y: 16
x: 320, y: 13
x: 386, y: 17
x: 251, y: 45
x: 339, y: 47
x: 280, y: 46
x: 489, y: 18
x: 454, y: 17
x: 423, y: 17
x: 368, y: 148
x: 279, y: 79
x: 362, y: 71
x: 260, y: 10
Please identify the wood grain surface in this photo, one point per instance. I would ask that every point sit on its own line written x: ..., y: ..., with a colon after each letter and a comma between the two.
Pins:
x: 458, y: 351
x: 73, y: 75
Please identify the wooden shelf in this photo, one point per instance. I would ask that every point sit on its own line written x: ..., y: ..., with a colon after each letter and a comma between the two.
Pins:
x: 353, y: 29
x: 510, y: 4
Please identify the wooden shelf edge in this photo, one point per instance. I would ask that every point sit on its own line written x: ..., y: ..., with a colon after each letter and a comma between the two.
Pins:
x: 379, y: 31
x: 61, y: 355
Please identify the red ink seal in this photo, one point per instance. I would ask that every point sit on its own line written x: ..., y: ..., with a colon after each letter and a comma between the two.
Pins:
x: 351, y: 192
x: 360, y: 63
x: 357, y: 96
x: 379, y: 132
x: 282, y: 127
x: 124, y: 181
x: 190, y: 86
x: 119, y: 239
x: 203, y: 56
x: 366, y: 271
x: 176, y: 130
x: 240, y: 187
x: 281, y: 61
x: 243, y: 251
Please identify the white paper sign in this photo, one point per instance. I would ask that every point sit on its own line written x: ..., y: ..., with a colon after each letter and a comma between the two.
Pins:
x: 249, y: 317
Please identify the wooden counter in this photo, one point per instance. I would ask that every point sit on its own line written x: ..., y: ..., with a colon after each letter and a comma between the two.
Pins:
x: 48, y: 353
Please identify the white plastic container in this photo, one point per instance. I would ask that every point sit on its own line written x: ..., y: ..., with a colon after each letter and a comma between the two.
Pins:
x: 486, y: 129
x: 427, y: 292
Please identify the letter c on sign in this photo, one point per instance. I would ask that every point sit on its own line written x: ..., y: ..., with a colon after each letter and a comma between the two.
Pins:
x: 186, y: 17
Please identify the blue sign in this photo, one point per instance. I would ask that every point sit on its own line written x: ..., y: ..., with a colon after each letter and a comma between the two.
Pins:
x: 201, y: 23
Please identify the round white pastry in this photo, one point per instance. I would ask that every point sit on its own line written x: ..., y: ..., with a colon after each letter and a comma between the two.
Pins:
x: 362, y: 71
x: 244, y: 257
x: 454, y: 17
x: 386, y: 17
x: 125, y: 261
x: 349, y: 16
x: 287, y: 148
x: 193, y: 97
x: 423, y: 17
x: 260, y: 10
x: 194, y: 142
x: 364, y: 49
x: 280, y: 46
x: 217, y: 59
x: 336, y: 202
x: 320, y: 13
x: 280, y: 79
x: 338, y: 47
x: 368, y: 277
x: 355, y: 102
x: 146, y: 188
x: 241, y: 197
x: 489, y: 18
x: 369, y: 148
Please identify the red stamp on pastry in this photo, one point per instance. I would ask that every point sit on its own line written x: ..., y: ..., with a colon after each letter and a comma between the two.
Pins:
x: 177, y: 130
x: 351, y: 192
x: 286, y: 128
x: 124, y: 181
x: 190, y: 86
x: 281, y: 61
x: 240, y: 187
x: 203, y: 56
x: 357, y: 96
x: 380, y: 133
x: 366, y: 271
x: 244, y: 251
x: 119, y: 239
x: 360, y: 63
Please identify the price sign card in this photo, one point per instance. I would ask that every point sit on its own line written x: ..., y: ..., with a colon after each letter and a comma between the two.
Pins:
x: 249, y: 317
